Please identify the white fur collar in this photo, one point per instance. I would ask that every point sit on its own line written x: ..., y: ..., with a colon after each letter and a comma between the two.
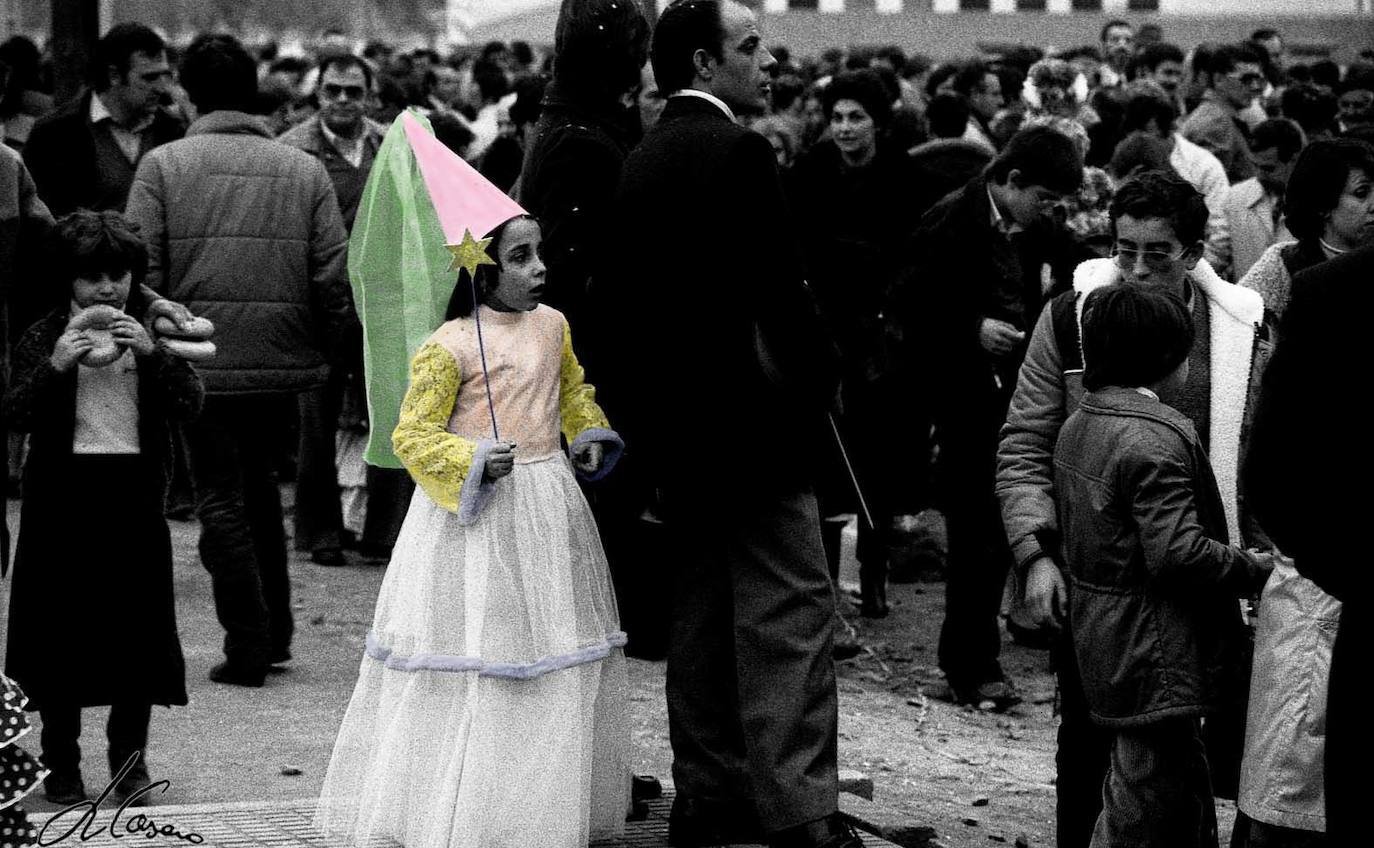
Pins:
x: 1236, y: 314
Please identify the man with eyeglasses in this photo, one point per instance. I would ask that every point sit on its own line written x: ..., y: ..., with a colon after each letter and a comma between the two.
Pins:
x: 84, y: 154
x: 1159, y: 223
x: 345, y: 141
x: 1236, y: 78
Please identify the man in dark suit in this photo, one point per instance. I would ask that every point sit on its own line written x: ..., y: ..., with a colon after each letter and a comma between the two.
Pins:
x: 84, y: 155
x: 727, y: 372
x: 1305, y: 479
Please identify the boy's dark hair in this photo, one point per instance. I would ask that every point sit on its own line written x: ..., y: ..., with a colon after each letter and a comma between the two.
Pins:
x: 683, y: 28
x: 1225, y: 58
x: 1151, y: 56
x: 1312, y: 106
x: 1043, y: 156
x: 344, y: 61
x: 864, y: 87
x: 88, y: 244
x: 1144, y: 108
x: 116, y: 49
x: 1164, y: 195
x: 460, y: 303
x: 218, y: 73
x: 948, y: 115
x: 1277, y: 133
x: 1318, y: 180
x: 970, y: 74
x: 1133, y: 337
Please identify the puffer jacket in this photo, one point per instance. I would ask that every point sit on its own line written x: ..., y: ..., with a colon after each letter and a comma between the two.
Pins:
x: 246, y: 231
x: 1153, y: 580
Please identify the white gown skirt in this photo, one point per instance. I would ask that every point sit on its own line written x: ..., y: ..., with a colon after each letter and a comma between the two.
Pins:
x: 490, y: 708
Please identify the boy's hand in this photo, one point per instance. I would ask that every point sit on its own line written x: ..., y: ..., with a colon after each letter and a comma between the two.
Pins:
x: 500, y: 461
x: 70, y: 347
x: 587, y: 458
x: 1047, y: 598
x: 126, y: 331
x: 998, y: 337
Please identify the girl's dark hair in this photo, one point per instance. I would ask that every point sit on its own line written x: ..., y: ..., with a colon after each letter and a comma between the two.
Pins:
x: 599, y: 48
x: 1044, y: 157
x: 1318, y: 180
x: 460, y: 303
x: 864, y: 87
x: 88, y: 244
x: 1133, y: 337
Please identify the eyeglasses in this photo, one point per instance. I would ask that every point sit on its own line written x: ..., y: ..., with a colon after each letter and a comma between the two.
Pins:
x: 1126, y: 257
x: 332, y: 91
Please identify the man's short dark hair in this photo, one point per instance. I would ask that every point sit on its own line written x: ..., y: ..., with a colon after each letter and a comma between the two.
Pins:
x: 218, y: 73
x: 344, y: 61
x: 1151, y: 56
x: 1144, y: 108
x: 683, y: 28
x: 599, y: 48
x: 1318, y: 180
x: 864, y: 87
x: 970, y: 75
x: 1111, y: 25
x: 116, y: 50
x: 1326, y: 72
x: 1225, y: 58
x: 1279, y: 134
x: 86, y: 244
x: 1043, y: 156
x: 948, y: 115
x: 1164, y: 195
x: 1312, y: 106
x: 1133, y: 337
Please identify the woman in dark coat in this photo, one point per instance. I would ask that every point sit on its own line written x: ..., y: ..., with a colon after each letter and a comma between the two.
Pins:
x: 851, y: 197
x: 92, y: 620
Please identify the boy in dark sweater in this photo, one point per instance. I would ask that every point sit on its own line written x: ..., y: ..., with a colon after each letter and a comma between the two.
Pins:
x: 1153, y: 578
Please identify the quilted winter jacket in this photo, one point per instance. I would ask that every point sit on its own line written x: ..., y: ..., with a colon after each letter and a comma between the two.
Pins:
x: 246, y: 231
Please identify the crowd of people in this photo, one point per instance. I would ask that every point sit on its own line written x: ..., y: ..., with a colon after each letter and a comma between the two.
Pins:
x: 1082, y: 303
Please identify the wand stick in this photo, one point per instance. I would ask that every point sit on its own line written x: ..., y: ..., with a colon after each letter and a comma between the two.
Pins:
x: 834, y: 428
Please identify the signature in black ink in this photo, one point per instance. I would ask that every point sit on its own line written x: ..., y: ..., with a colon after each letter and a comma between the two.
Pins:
x: 139, y: 825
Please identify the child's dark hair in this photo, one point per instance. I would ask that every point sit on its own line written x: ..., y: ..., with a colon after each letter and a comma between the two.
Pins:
x: 1133, y: 337
x: 88, y: 244
x: 460, y: 303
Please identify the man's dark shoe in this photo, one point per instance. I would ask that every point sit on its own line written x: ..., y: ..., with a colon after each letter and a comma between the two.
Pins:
x: 133, y: 779
x: 331, y: 557
x: 830, y: 832
x: 374, y: 553
x: 645, y: 787
x: 695, y: 823
x: 64, y: 787
x: 995, y: 696
x: 227, y: 672
x: 847, y: 644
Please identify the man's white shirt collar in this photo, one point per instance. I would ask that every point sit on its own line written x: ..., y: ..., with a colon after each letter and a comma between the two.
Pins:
x: 711, y: 98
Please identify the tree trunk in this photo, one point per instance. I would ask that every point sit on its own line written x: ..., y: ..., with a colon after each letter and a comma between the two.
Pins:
x: 75, y: 30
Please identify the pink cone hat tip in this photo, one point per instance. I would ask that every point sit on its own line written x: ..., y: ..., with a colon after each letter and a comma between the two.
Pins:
x: 464, y: 200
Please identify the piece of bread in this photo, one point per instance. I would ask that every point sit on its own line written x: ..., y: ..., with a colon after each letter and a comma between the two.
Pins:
x: 95, y: 322
x: 197, y: 329
x: 193, y: 351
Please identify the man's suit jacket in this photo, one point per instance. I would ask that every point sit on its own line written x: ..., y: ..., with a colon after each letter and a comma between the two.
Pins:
x: 719, y: 344
x: 62, y: 156
x: 1249, y: 214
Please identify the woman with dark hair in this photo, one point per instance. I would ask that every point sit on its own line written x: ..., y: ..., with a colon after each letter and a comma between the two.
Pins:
x: 1328, y: 207
x: 852, y: 194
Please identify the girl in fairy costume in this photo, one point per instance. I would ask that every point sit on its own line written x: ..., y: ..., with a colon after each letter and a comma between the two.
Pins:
x: 490, y: 708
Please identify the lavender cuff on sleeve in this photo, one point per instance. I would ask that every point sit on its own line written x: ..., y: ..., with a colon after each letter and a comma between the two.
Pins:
x: 476, y: 490
x: 613, y: 447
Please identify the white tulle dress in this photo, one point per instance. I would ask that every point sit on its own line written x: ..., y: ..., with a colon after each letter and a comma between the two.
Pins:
x: 490, y: 708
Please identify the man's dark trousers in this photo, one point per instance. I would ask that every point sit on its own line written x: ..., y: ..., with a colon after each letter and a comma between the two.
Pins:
x: 751, y: 682
x: 967, y: 428
x: 242, y: 538
x: 319, y: 509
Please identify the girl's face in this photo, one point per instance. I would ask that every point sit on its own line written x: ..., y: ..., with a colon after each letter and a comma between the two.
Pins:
x: 1351, y: 222
x: 111, y: 291
x: 521, y: 280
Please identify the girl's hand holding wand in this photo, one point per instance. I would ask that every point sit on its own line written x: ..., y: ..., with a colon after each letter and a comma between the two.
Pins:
x: 500, y: 460
x: 70, y: 347
x: 587, y: 458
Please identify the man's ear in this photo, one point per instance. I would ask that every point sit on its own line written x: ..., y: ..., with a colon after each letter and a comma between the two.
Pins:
x: 1192, y: 255
x: 703, y: 62
x: 1013, y: 179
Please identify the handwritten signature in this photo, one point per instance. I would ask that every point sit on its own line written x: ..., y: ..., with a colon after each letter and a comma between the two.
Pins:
x: 139, y: 825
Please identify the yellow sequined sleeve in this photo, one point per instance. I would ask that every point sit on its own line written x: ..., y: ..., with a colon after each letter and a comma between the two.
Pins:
x: 437, y: 459
x: 582, y: 420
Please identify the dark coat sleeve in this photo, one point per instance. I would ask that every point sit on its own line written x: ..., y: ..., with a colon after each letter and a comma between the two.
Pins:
x: 35, y: 386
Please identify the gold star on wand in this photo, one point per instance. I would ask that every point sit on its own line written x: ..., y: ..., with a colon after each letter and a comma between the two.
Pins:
x: 469, y: 253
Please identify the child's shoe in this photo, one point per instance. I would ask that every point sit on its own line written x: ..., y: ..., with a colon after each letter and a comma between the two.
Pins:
x: 64, y: 787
